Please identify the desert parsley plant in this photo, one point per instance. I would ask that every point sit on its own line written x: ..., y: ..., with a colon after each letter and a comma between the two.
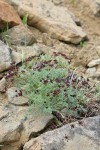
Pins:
x: 51, y: 85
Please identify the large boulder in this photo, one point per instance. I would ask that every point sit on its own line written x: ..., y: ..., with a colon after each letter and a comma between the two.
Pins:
x: 8, y: 16
x: 84, y: 135
x: 15, y: 97
x: 55, y: 20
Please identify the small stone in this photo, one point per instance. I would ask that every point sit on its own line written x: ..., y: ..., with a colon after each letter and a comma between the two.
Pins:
x: 12, y: 93
x: 16, y: 57
x: 15, y: 98
x: 19, y: 101
x: 94, y: 63
x: 91, y: 71
x: 2, y: 85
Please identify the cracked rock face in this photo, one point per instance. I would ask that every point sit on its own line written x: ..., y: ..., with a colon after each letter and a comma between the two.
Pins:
x: 55, y: 20
x: 85, y: 136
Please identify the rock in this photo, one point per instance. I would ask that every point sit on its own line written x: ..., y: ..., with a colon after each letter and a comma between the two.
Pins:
x: 91, y: 71
x: 20, y: 35
x: 46, y: 40
x: 4, y: 66
x: 8, y: 16
x: 94, y: 73
x: 94, y: 63
x: 33, y: 126
x: 15, y: 98
x: 98, y: 50
x: 9, y: 131
x: 97, y: 74
x: 10, y: 125
x: 98, y: 69
x: 85, y: 136
x: 16, y: 119
x: 16, y: 57
x: 24, y: 52
x: 30, y: 51
x: 94, y: 5
x: 2, y: 85
x: 5, y: 57
x: 80, y: 70
x: 12, y: 93
x: 55, y: 20
x: 20, y: 101
x: 3, y: 113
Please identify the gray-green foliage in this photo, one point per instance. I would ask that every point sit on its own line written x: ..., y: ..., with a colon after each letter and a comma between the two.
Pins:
x: 49, y: 84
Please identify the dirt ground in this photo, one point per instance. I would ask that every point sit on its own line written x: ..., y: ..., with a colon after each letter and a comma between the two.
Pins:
x: 91, y: 25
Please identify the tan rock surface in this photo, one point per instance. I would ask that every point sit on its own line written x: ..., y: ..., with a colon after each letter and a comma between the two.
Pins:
x: 94, y: 6
x: 5, y: 57
x: 2, y: 85
x: 8, y: 16
x: 84, y: 137
x: 20, y: 35
x: 55, y: 20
